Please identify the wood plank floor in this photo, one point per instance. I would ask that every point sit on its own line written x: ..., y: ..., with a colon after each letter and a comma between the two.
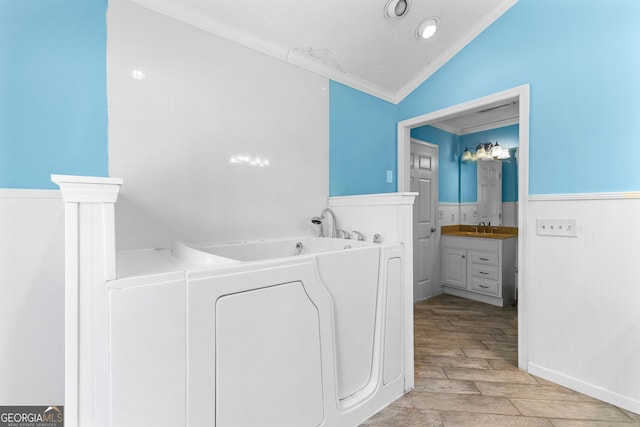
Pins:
x: 466, y: 375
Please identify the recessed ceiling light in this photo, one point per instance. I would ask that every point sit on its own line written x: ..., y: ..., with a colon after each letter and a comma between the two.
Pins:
x: 427, y: 28
x: 396, y: 9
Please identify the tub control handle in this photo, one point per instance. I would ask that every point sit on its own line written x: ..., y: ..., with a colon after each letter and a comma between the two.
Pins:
x: 299, y: 248
x: 361, y: 237
x: 345, y: 234
x: 377, y: 238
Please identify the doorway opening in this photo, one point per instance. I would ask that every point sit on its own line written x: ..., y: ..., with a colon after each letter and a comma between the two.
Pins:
x: 520, y: 95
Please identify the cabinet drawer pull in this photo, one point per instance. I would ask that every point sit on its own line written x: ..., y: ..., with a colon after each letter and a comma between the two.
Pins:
x: 484, y: 286
x: 484, y: 259
x: 483, y: 272
x: 463, y: 256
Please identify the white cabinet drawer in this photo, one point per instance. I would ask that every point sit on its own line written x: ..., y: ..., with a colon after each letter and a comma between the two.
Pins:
x: 484, y: 271
x: 485, y: 286
x: 488, y: 258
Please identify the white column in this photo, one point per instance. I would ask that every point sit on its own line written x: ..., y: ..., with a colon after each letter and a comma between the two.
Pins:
x: 89, y: 263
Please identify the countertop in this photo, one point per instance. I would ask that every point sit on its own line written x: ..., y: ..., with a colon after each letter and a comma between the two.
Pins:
x: 482, y: 232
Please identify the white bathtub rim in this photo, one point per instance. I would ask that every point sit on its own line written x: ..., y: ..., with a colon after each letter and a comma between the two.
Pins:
x: 201, y: 255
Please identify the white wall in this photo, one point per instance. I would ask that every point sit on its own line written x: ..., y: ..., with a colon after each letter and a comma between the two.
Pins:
x: 205, y: 99
x: 467, y: 213
x: 448, y: 214
x: 583, y: 297
x: 31, y: 297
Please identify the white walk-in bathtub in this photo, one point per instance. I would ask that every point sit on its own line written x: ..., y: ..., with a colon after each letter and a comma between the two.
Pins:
x: 297, y: 332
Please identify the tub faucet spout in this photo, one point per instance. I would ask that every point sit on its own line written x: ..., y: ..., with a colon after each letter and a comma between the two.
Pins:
x: 334, y: 222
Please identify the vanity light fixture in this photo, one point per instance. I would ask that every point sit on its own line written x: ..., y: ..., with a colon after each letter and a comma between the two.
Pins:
x: 396, y: 9
x: 427, y: 28
x: 486, y: 151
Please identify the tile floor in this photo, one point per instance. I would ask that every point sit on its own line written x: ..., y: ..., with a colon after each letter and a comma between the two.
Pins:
x: 466, y: 375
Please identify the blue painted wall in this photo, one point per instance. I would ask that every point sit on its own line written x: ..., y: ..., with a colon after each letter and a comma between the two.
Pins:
x: 507, y: 137
x: 583, y: 65
x: 53, y: 91
x: 362, y: 132
x: 448, y: 161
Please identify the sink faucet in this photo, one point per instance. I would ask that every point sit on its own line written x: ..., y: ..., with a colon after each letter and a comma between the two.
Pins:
x: 334, y: 221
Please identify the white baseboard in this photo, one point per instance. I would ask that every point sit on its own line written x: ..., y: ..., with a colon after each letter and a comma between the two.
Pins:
x: 592, y: 390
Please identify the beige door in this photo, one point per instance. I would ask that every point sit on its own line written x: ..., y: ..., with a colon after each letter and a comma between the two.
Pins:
x: 424, y: 181
x: 490, y: 192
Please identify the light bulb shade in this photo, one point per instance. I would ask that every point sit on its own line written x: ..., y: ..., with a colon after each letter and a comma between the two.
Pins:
x: 496, y: 151
x: 504, y: 154
x: 466, y: 156
x: 481, y: 153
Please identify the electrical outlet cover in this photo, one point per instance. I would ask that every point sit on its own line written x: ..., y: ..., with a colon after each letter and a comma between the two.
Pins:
x: 559, y: 227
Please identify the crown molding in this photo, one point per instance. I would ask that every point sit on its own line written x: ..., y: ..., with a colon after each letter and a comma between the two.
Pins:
x: 430, y: 69
x: 197, y: 19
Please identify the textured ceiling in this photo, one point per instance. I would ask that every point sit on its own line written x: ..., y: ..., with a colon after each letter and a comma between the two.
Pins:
x: 348, y: 41
x: 489, y: 116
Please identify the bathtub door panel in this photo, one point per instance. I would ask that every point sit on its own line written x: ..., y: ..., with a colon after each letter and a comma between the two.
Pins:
x: 351, y: 278
x: 268, y: 363
x: 393, y: 322
x: 148, y: 360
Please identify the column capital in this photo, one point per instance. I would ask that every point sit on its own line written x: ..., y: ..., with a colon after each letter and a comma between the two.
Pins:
x: 88, y: 189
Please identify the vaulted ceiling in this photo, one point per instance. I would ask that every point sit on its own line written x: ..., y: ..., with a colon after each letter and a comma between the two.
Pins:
x: 351, y: 41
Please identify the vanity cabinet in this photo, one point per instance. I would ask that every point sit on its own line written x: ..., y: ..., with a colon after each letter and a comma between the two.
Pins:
x: 479, y: 268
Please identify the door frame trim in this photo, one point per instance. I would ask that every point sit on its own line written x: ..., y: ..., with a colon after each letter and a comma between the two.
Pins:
x: 436, y: 268
x: 522, y: 94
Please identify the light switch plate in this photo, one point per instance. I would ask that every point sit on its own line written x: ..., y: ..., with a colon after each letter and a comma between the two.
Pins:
x: 557, y: 227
